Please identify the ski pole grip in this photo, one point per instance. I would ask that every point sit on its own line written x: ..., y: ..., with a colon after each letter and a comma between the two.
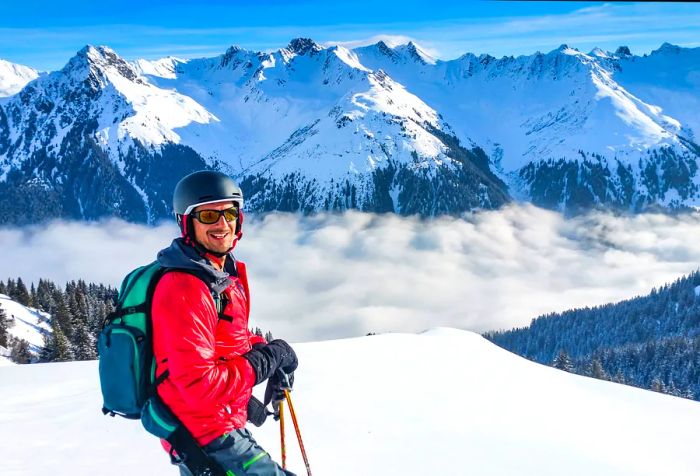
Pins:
x: 285, y: 379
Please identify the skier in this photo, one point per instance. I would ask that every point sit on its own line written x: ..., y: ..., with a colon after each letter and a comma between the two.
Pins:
x: 207, y: 360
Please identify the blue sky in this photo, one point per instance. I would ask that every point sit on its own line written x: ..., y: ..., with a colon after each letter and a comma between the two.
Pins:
x: 45, y: 34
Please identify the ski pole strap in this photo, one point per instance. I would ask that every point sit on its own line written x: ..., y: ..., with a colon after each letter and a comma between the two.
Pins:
x: 189, y: 453
x: 284, y: 377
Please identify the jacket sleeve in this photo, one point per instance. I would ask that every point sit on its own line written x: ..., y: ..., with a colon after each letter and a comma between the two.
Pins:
x: 184, y: 325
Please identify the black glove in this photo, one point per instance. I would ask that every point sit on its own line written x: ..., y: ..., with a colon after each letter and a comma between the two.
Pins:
x: 266, y: 360
x: 274, y: 392
x: 257, y: 413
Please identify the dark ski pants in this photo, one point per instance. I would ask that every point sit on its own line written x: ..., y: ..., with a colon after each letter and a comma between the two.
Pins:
x: 239, y: 455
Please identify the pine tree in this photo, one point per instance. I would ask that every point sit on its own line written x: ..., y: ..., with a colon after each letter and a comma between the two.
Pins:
x: 619, y: 377
x: 62, y: 315
x: 44, y: 296
x: 32, y: 295
x: 11, y: 288
x: 268, y: 336
x: 63, y: 351
x: 4, y: 334
x: 658, y: 386
x: 21, y: 293
x: 597, y: 370
x: 3, y: 288
x: 563, y: 362
x: 84, y: 343
x: 79, y: 336
x: 56, y: 346
x: 20, y: 351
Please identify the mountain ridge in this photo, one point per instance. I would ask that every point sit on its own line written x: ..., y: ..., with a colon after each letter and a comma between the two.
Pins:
x: 374, y: 127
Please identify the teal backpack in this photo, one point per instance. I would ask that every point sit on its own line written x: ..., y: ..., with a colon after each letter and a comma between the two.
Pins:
x: 125, y: 346
x: 128, y: 370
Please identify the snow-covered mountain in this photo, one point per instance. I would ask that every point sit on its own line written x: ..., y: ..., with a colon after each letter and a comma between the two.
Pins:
x: 13, y: 77
x: 376, y: 128
x: 560, y: 127
x: 454, y: 405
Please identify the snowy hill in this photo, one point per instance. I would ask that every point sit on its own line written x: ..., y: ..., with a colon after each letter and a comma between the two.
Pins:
x: 25, y: 323
x: 457, y: 406
x: 377, y: 128
x: 13, y: 77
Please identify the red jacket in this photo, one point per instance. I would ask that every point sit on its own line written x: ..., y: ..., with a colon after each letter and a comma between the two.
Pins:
x: 209, y: 384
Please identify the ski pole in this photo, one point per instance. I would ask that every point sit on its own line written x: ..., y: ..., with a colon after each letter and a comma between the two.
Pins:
x: 284, y: 448
x: 296, y: 428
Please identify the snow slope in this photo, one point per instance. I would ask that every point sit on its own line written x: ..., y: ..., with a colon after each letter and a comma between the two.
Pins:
x: 26, y: 323
x: 444, y: 402
x: 13, y: 77
x: 331, y: 115
x: 669, y: 78
x: 541, y: 106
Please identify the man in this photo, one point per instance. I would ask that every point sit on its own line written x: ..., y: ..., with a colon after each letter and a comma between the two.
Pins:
x: 201, y: 341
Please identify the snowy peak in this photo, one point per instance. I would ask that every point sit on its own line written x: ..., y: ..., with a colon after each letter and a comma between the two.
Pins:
x: 230, y: 58
x: 599, y: 53
x: 623, y: 52
x: 668, y: 49
x: 384, y: 49
x: 161, y: 68
x: 415, y: 53
x: 104, y: 58
x: 100, y: 65
x: 13, y: 77
x: 409, y: 53
x: 566, y: 49
x: 303, y: 46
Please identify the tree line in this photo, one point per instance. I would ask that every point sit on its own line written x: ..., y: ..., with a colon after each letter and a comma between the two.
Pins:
x: 650, y: 342
x: 77, y: 312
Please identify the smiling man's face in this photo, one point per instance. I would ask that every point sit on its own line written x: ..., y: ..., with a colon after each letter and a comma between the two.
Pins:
x: 218, y: 236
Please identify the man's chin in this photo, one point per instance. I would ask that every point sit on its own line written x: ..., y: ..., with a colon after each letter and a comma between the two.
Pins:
x: 218, y: 248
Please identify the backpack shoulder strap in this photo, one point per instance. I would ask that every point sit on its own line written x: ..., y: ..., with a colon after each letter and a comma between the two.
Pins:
x: 243, y: 277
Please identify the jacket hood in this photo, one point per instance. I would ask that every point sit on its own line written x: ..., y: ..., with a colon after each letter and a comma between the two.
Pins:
x: 181, y: 256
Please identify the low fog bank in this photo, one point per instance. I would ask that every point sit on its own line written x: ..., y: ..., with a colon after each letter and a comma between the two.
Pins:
x: 338, y: 275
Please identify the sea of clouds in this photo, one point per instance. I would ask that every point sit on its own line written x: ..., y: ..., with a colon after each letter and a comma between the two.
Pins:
x: 339, y: 275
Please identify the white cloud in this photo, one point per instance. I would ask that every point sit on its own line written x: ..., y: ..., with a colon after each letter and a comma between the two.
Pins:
x: 330, y: 275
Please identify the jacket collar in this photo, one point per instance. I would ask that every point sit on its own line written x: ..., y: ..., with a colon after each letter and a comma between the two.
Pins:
x: 181, y: 256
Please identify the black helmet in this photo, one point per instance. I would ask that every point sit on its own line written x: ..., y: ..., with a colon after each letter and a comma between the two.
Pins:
x: 199, y: 188
x: 205, y: 186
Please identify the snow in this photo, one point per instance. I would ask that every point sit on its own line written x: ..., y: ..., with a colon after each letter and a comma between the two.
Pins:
x: 668, y: 78
x: 156, y: 112
x: 13, y: 77
x: 319, y: 111
x: 26, y: 323
x: 162, y: 68
x: 535, y: 107
x: 445, y: 402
